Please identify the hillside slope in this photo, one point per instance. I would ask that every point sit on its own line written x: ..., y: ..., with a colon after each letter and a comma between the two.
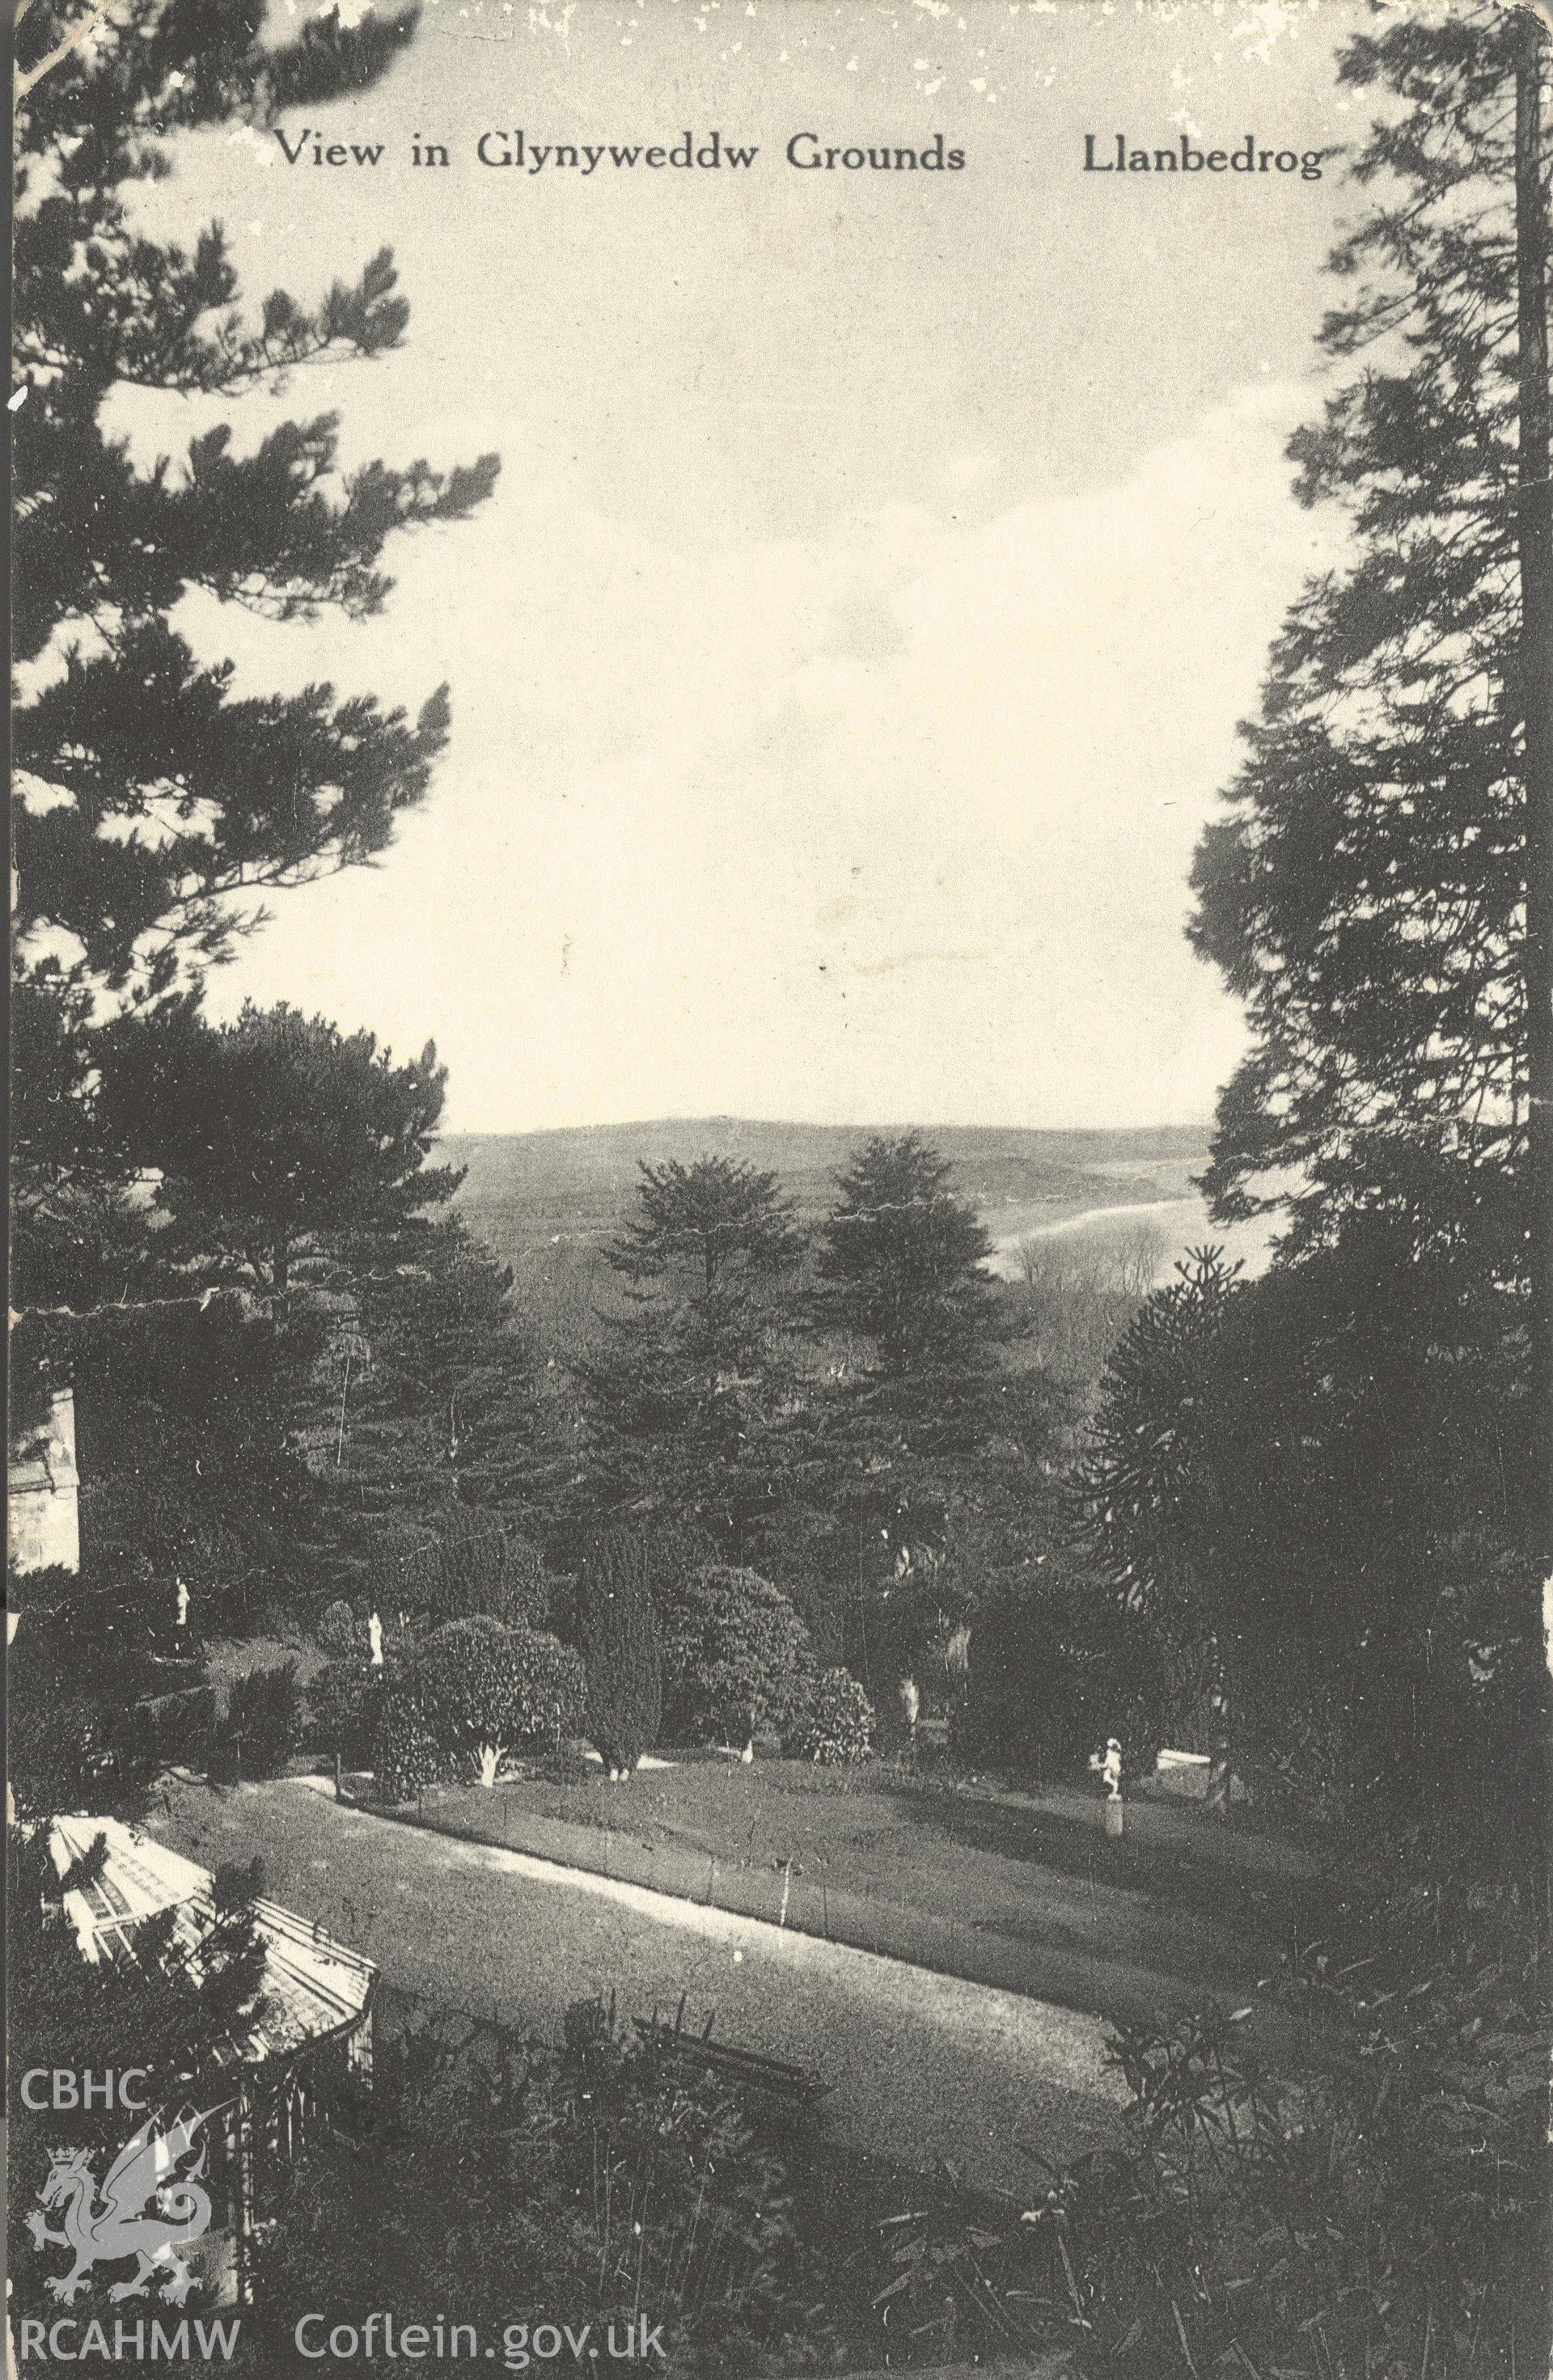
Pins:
x: 524, y: 1187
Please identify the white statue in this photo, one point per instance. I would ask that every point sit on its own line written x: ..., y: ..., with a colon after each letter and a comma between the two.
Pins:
x: 374, y: 1638
x: 183, y: 1604
x: 1106, y: 1766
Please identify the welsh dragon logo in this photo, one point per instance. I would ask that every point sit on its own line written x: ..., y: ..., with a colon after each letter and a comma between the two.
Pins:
x: 140, y: 2213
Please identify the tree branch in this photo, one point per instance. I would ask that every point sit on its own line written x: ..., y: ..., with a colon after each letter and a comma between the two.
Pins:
x: 27, y: 79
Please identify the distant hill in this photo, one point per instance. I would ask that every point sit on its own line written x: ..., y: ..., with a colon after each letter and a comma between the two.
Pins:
x: 526, y: 1187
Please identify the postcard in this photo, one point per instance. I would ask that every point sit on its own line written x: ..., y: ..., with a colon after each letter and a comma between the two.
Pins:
x: 782, y: 1209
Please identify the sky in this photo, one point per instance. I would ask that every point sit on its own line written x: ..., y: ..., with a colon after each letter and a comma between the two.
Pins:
x: 852, y: 650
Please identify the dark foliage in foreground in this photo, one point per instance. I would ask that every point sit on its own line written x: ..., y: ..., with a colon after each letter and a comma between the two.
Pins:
x: 1379, y: 2207
x: 592, y: 2183
x: 158, y: 2011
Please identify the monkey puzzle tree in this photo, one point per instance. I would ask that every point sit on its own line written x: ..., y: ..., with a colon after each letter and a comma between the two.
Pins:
x: 680, y: 1395
x: 901, y: 1260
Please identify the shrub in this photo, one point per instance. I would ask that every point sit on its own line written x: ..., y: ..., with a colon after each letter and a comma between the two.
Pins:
x: 1382, y: 2194
x: 555, y: 1688
x: 837, y: 1726
x: 343, y: 1700
x: 1053, y: 1671
x: 184, y: 1726
x: 339, y: 1631
x: 264, y: 1719
x: 736, y: 1656
x: 489, y: 1689
x: 902, y: 1629
x: 619, y: 1633
x: 479, y: 1571
x: 272, y: 1619
x: 405, y: 1751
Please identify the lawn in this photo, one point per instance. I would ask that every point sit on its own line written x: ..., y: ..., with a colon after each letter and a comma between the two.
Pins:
x: 923, y: 2066
x: 1177, y: 1897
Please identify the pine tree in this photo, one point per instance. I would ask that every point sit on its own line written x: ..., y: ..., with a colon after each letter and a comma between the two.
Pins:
x: 150, y: 804
x: 153, y: 808
x: 1381, y: 895
x: 912, y: 1427
x: 273, y: 1138
x: 1377, y: 893
x: 432, y: 1395
x: 618, y: 1639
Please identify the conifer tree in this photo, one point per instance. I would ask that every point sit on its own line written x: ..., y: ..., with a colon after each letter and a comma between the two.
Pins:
x: 434, y: 1385
x: 723, y: 1224
x: 677, y: 1400
x: 901, y: 1261
x: 1312, y: 1517
x: 151, y: 804
x: 915, y: 1428
x: 1378, y: 894
x: 273, y: 1138
x: 618, y: 1636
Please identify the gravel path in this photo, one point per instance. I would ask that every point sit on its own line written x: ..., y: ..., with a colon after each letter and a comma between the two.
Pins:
x: 924, y: 2066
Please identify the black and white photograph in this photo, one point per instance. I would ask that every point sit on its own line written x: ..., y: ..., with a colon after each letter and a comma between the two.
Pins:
x: 780, y: 1443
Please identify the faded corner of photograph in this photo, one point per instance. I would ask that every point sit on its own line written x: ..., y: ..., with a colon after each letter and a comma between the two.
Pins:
x: 781, y: 1378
